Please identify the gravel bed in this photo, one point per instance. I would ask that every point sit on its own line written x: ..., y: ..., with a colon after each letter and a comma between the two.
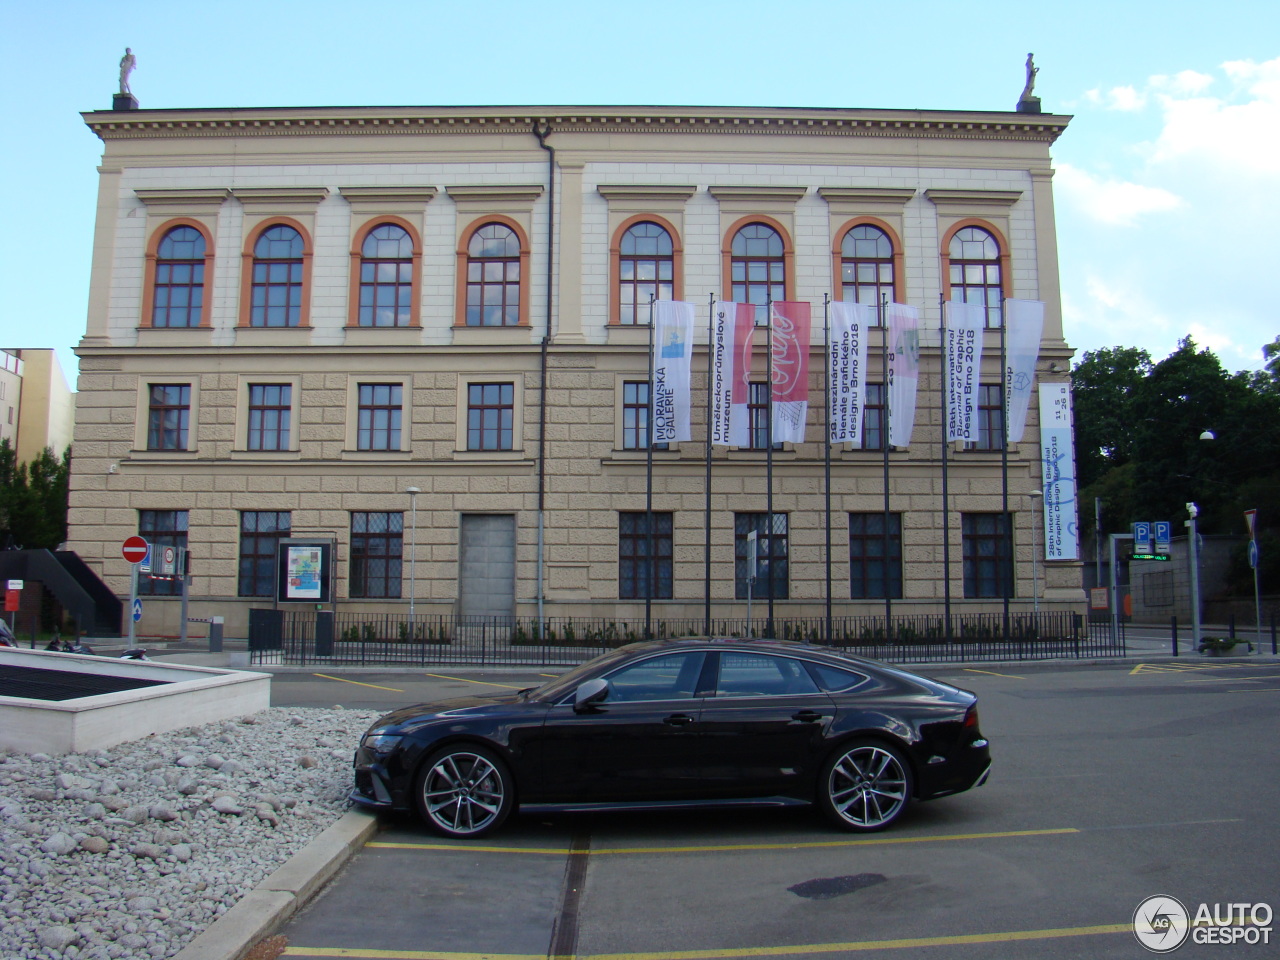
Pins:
x: 133, y: 851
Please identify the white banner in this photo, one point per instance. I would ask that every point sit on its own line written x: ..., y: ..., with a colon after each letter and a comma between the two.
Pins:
x: 733, y: 327
x: 672, y: 358
x: 846, y: 370
x: 1058, y: 472
x: 962, y: 348
x: 904, y: 371
x: 1024, y: 325
x: 789, y: 391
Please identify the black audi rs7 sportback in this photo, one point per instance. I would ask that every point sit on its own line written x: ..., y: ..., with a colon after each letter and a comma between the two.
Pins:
x: 675, y: 723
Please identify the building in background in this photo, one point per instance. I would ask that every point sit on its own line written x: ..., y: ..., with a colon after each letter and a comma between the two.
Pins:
x: 297, y: 315
x: 37, y: 408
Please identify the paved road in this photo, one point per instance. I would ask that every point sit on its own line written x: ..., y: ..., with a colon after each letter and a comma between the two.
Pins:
x: 1111, y: 784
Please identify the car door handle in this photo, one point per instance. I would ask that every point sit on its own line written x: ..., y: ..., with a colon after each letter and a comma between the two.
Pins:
x: 806, y: 716
x: 678, y: 720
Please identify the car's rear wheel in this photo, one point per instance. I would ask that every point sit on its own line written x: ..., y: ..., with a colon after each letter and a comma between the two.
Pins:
x: 464, y: 791
x: 865, y: 785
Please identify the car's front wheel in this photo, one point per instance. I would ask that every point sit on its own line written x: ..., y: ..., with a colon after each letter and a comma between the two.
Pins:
x: 865, y: 785
x: 465, y: 791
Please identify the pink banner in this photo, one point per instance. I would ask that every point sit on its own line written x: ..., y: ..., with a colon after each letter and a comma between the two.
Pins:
x: 789, y: 391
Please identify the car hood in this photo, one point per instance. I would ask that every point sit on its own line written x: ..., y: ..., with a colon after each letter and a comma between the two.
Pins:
x: 407, y: 718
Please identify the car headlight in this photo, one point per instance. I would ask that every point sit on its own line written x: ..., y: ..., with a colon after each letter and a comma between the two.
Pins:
x: 381, y: 742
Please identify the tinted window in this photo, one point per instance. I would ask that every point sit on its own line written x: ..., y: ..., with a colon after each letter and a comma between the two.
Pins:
x: 757, y: 675
x: 834, y: 679
x: 672, y: 677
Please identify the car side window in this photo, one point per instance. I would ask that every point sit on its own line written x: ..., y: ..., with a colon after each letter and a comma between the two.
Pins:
x: 670, y: 677
x: 835, y: 679
x: 759, y: 675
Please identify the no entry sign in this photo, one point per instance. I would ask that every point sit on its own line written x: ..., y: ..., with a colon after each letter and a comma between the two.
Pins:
x: 134, y: 549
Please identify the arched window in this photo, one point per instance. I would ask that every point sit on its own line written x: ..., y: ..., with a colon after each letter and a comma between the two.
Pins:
x: 178, y: 292
x: 276, y: 297
x: 866, y: 266
x: 646, y: 267
x: 758, y: 270
x: 974, y: 263
x: 386, y: 277
x: 493, y: 277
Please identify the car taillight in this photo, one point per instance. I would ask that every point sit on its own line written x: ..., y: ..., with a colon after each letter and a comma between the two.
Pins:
x: 971, y: 718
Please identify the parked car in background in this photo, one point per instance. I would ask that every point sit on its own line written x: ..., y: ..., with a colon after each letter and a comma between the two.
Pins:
x: 676, y: 723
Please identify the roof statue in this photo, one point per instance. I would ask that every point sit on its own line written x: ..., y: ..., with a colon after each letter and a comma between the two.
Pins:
x: 1029, y: 102
x: 127, y: 65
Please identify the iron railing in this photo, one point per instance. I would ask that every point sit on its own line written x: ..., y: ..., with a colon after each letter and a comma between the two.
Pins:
x: 302, y: 638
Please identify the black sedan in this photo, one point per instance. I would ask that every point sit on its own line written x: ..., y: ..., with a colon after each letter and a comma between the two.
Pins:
x: 680, y: 723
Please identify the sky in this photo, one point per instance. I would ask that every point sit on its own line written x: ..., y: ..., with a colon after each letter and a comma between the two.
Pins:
x: 1168, y: 177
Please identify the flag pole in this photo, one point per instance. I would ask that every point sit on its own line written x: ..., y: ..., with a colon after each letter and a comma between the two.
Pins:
x: 826, y: 352
x: 1005, y: 521
x: 946, y: 502
x: 648, y: 489
x: 884, y: 446
x: 768, y: 436
x: 706, y: 517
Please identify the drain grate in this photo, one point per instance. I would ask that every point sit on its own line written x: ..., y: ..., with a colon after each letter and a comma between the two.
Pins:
x: 39, y: 683
x: 828, y: 888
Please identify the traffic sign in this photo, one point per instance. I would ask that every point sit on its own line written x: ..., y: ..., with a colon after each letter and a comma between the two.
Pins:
x: 1253, y: 554
x: 134, y: 549
x: 1163, y: 530
x: 1142, y: 537
x: 1251, y: 519
x: 15, y: 584
x: 137, y: 609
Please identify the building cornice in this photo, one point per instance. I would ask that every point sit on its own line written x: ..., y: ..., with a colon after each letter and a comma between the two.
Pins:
x: 408, y: 121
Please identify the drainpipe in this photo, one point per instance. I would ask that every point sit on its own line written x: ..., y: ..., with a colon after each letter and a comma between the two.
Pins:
x: 541, y: 131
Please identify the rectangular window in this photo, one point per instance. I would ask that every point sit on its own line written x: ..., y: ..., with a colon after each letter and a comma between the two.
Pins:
x: 270, y: 407
x: 635, y: 416
x: 771, y: 555
x: 161, y: 528
x: 377, y: 549
x: 873, y: 437
x: 875, y: 556
x: 378, y: 427
x: 758, y: 416
x: 260, y: 532
x: 990, y: 416
x: 491, y: 416
x: 634, y: 567
x: 168, y: 416
x: 988, y: 555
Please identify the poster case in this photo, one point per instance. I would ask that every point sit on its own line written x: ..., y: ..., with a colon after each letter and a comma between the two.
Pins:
x: 304, y: 571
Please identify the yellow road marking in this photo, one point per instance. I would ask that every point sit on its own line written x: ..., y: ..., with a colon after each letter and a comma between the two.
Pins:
x: 990, y: 674
x: 730, y: 953
x: 551, y: 675
x: 439, y: 676
x: 719, y: 848
x: 1228, y: 679
x: 1176, y: 667
x: 357, y: 683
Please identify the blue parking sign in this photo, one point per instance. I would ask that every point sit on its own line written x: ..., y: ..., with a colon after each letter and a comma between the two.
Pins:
x: 1164, y: 536
x: 1142, y: 537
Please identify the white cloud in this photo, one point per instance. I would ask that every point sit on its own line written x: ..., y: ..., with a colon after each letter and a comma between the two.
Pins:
x: 1114, y: 202
x: 1185, y: 82
x: 1125, y: 98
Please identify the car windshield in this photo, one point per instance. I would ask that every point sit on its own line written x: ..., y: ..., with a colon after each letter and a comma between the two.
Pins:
x: 554, y: 690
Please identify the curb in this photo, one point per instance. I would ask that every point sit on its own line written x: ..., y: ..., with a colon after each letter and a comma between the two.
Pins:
x: 264, y: 910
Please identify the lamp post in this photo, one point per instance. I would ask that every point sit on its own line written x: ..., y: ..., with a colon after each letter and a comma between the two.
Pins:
x: 1036, y: 496
x: 1193, y: 553
x: 413, y: 549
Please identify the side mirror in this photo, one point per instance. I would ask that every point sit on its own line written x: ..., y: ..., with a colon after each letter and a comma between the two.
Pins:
x: 590, y: 693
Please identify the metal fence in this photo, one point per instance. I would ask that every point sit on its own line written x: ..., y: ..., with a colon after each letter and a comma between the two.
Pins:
x: 297, y: 638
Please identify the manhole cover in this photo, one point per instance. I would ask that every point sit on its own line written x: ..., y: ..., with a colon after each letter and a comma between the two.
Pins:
x: 828, y: 888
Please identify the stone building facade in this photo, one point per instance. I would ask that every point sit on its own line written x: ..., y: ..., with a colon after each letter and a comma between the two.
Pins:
x: 297, y: 315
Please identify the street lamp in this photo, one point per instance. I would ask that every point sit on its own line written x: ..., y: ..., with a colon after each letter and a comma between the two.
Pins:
x: 413, y: 549
x: 1036, y: 496
x: 1193, y: 555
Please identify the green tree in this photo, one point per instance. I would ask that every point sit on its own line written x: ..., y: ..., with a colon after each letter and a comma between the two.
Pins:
x: 1103, y: 385
x: 33, y: 499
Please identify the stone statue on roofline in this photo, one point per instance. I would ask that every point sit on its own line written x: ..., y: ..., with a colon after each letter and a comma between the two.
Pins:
x: 127, y: 65
x: 1029, y: 102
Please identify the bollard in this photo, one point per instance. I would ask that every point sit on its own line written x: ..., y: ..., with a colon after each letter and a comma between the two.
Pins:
x: 1174, y: 625
x: 215, y: 635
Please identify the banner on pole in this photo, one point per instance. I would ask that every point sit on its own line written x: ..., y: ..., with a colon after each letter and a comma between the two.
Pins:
x: 904, y: 371
x: 1024, y: 325
x: 733, y: 327
x: 789, y: 391
x: 672, y: 359
x: 1058, y: 471
x: 962, y: 349
x: 846, y: 370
